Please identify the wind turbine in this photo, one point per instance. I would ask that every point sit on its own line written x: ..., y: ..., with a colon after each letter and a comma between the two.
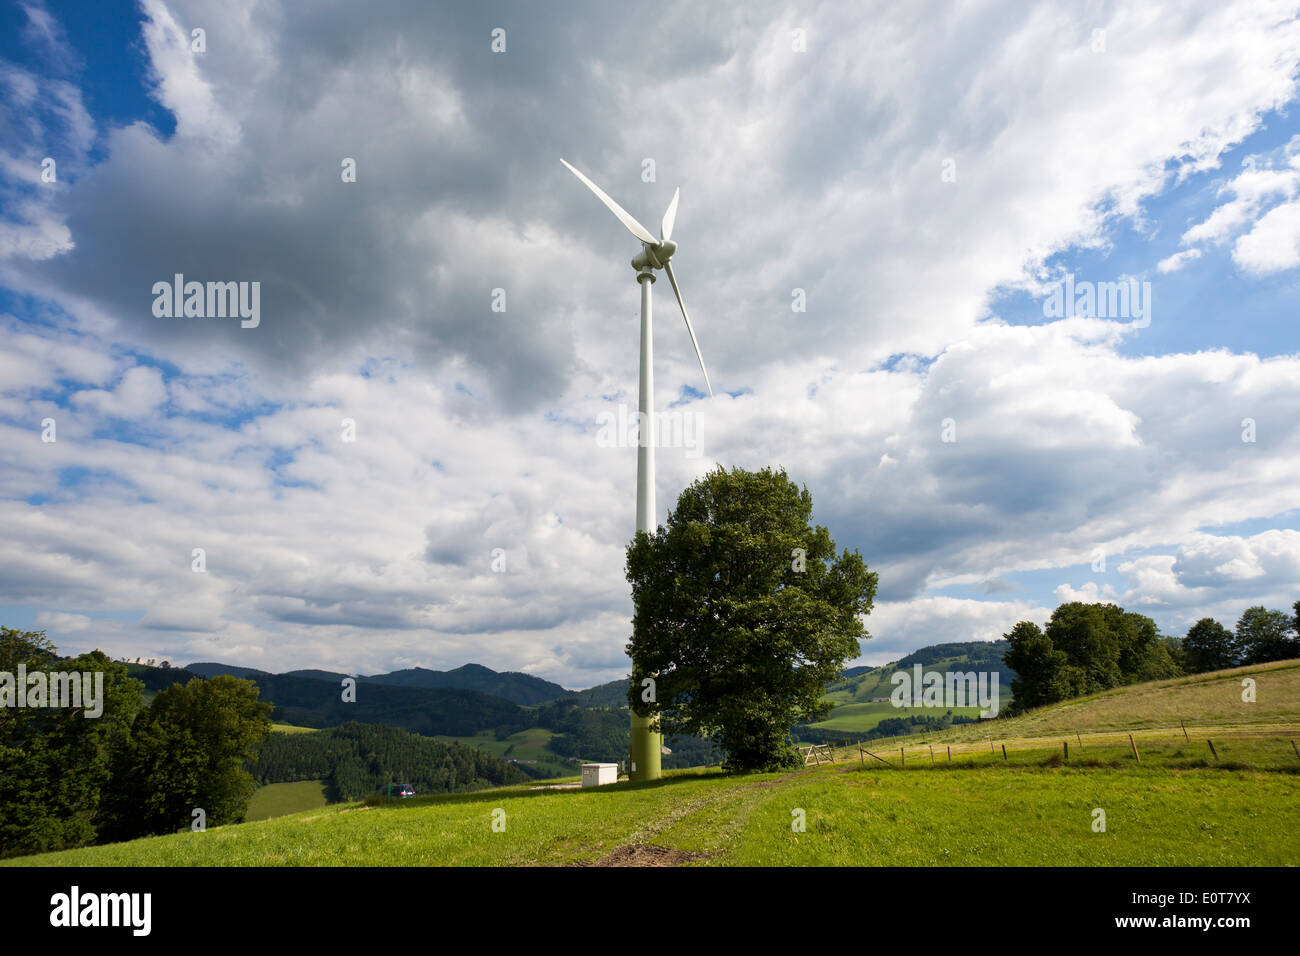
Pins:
x: 655, y: 254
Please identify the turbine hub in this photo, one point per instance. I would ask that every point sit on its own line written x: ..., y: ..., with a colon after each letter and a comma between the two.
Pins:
x: 654, y: 256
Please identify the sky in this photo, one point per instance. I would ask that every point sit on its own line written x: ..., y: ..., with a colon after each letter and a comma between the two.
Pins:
x: 411, y: 454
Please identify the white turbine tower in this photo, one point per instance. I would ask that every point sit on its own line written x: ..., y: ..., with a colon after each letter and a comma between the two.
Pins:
x: 655, y: 253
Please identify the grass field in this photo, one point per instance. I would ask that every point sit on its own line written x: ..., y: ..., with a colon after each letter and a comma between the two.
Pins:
x: 1205, y: 703
x: 281, y: 799
x: 950, y: 798
x: 292, y: 729
x: 863, y: 718
x: 990, y: 814
x: 527, y: 744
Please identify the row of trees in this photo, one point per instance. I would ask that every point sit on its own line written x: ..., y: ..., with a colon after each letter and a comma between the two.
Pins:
x: 1261, y: 635
x: 1086, y: 648
x: 67, y: 780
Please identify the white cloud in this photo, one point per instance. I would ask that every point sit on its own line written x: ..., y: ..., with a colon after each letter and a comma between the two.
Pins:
x: 1179, y: 259
x: 138, y: 394
x: 56, y: 623
x: 1266, y: 225
x: 1273, y: 243
x: 476, y: 429
x: 899, y: 628
x: 1090, y: 593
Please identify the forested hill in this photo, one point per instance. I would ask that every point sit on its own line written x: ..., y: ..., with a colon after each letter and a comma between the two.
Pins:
x: 865, y: 684
x: 312, y: 702
x: 613, y: 694
x: 356, y: 759
x: 523, y: 689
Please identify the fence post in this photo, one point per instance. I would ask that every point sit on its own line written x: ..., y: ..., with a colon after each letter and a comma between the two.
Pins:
x: 1296, y: 749
x: 1133, y: 742
x: 1184, y: 726
x: 932, y: 755
x: 1004, y: 751
x: 1212, y: 750
x: 902, y: 757
x: 1079, y: 739
x: 1066, y: 745
x: 950, y: 751
x: 862, y: 758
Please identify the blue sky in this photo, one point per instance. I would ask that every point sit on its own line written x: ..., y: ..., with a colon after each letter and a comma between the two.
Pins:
x: 1212, y: 306
x: 814, y: 174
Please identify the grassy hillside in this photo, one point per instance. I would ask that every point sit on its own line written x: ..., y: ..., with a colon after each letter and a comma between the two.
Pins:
x: 863, y: 684
x: 281, y: 799
x: 862, y: 718
x: 1202, y: 700
x: 526, y: 745
x: 1179, y: 807
x: 989, y: 815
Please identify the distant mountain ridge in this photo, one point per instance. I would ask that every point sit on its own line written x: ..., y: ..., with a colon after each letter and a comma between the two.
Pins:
x: 529, y: 691
x: 518, y: 688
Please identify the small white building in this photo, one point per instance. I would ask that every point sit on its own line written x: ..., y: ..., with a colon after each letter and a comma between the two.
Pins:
x: 599, y: 774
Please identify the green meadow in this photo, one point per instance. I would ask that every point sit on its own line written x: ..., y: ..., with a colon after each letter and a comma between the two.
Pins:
x: 1030, y: 791
x: 281, y: 799
x: 994, y: 814
x: 862, y: 718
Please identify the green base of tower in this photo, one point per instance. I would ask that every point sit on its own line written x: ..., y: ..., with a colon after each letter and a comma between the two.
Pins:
x: 643, y: 759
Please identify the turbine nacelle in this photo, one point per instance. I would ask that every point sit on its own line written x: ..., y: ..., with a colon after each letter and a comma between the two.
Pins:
x: 654, y: 256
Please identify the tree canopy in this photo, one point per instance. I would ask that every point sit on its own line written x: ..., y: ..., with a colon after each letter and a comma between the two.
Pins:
x: 743, y: 613
x: 1085, y: 648
x: 188, y: 752
x: 1264, y: 635
x: 54, y: 761
x: 1208, y: 646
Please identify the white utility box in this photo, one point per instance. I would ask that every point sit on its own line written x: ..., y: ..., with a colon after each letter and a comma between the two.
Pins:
x: 599, y: 774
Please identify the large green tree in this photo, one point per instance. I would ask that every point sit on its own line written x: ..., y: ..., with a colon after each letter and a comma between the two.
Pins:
x: 744, y: 612
x: 1110, y: 645
x: 188, y: 752
x: 55, y: 762
x: 1209, y: 646
x: 1044, y: 674
x: 1264, y: 635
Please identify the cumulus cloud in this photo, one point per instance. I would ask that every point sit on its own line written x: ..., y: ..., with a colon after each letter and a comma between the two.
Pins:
x: 1176, y: 261
x: 1262, y: 215
x: 821, y: 171
x: 903, y: 627
x: 1273, y: 243
x: 1090, y: 593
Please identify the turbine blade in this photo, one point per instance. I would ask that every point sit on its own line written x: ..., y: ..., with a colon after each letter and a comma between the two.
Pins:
x: 670, y: 217
x: 668, y: 267
x: 634, y: 227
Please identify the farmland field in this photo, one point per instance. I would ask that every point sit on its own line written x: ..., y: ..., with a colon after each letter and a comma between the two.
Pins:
x: 1206, y: 780
x: 864, y: 717
x: 280, y: 799
x: 990, y: 814
x: 292, y: 729
x: 527, y: 745
x: 1202, y: 700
